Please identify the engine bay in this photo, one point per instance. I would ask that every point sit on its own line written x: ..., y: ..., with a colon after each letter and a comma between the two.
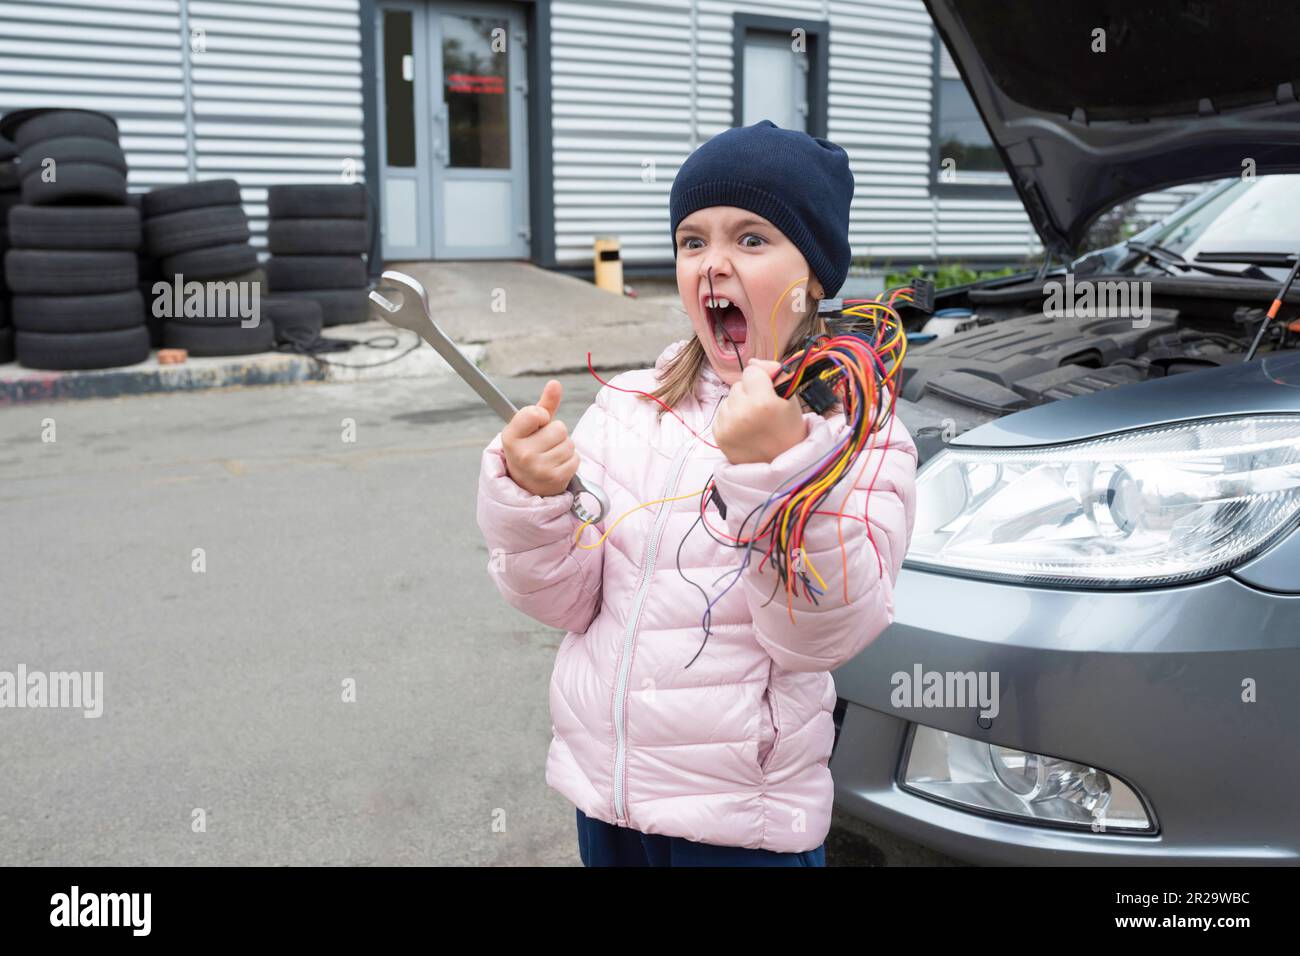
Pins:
x: 1009, y: 356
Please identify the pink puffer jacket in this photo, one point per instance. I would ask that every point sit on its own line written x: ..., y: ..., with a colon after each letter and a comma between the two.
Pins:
x: 733, y: 750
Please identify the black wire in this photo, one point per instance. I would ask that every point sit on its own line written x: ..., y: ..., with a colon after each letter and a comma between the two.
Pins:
x: 722, y: 325
x: 747, y: 546
x: 777, y: 558
x: 369, y: 343
x: 708, y: 611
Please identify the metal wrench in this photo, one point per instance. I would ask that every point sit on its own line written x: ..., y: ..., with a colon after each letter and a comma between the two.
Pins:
x: 400, y: 300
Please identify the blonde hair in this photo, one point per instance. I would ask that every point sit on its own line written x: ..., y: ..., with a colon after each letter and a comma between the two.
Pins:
x: 681, y: 374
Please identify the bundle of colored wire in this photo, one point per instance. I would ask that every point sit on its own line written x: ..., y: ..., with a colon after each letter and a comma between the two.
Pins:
x: 859, y: 362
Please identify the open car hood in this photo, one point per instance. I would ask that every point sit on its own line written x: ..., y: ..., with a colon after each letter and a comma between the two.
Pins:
x: 1183, y: 92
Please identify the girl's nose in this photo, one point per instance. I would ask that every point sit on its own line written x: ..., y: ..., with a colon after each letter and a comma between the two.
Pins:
x: 715, y: 266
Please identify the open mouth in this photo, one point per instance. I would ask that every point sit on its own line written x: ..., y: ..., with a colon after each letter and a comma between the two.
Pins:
x: 728, y: 324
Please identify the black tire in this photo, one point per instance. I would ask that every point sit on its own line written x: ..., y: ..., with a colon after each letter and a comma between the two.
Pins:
x: 87, y: 228
x: 337, y: 306
x: 71, y: 149
x: 78, y: 313
x: 9, y: 199
x: 52, y: 124
x: 63, y: 272
x: 152, y: 322
x: 227, y: 312
x: 177, y: 232
x: 317, y: 237
x: 343, y: 201
x: 209, y: 192
x: 6, y: 344
x: 150, y: 269
x: 62, y: 352
x: 75, y: 183
x: 7, y: 149
x: 214, y: 262
x: 296, y: 321
x: 296, y: 273
x: 10, y: 176
x: 203, y: 340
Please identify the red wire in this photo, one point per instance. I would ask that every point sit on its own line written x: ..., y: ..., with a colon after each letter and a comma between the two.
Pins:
x: 637, y: 391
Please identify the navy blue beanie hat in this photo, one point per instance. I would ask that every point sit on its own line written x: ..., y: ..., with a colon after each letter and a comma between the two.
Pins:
x: 799, y: 183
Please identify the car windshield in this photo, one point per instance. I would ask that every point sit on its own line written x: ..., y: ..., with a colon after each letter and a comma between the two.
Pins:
x: 1260, y: 215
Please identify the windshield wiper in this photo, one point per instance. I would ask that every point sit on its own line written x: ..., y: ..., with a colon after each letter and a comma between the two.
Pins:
x: 1279, y: 260
x: 1167, y: 257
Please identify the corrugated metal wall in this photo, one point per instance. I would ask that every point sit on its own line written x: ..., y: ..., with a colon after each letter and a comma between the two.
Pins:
x: 121, y: 57
x: 622, y: 74
x: 621, y: 122
x: 276, y: 93
x: 624, y: 99
x: 274, y: 90
x: 274, y: 87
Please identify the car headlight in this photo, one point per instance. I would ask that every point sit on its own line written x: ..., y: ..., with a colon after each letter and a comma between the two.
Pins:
x: 1161, y: 505
x: 1017, y: 784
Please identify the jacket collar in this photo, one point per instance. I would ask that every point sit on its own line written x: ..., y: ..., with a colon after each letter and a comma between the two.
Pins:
x: 708, y: 386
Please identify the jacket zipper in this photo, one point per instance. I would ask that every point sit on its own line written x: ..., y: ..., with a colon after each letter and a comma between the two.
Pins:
x: 625, y: 666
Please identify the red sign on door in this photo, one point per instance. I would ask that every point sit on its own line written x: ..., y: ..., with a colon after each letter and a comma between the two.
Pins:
x: 475, y: 83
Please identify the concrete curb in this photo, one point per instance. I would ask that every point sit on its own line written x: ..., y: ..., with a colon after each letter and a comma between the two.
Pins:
x: 19, y: 386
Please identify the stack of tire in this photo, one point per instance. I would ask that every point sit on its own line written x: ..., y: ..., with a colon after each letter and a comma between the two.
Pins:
x: 8, y: 197
x: 318, y: 236
x: 199, y: 233
x: 150, y: 271
x: 71, y: 265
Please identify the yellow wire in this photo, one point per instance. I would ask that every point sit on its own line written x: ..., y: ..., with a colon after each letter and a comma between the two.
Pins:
x: 776, y: 305
x: 593, y: 547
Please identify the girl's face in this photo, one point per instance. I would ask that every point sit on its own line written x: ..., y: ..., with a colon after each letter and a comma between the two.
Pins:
x: 754, y: 268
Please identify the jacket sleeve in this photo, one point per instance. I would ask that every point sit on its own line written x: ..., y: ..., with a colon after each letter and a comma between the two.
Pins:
x: 532, y: 557
x: 826, y: 634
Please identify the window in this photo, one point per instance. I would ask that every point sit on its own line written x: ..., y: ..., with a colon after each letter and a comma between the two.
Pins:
x: 399, y: 88
x: 964, y: 154
x: 780, y: 72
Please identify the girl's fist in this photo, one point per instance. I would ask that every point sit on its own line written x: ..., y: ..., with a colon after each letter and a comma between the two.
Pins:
x: 754, y: 424
x: 540, y: 456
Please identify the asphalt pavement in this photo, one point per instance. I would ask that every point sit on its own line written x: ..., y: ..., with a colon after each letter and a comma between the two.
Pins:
x: 304, y: 659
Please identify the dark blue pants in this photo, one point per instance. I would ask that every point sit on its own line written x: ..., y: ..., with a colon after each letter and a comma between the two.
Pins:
x: 603, y: 844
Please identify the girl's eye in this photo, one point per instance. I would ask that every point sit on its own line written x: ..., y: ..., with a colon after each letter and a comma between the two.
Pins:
x: 744, y: 240
x: 686, y: 243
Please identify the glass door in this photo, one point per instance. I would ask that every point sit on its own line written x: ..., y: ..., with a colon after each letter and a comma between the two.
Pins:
x: 480, y: 152
x: 454, y: 138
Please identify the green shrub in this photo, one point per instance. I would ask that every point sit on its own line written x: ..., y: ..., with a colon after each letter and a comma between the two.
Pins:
x: 947, y: 275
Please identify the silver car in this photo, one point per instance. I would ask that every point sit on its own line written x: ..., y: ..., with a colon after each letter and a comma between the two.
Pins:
x: 1095, y: 656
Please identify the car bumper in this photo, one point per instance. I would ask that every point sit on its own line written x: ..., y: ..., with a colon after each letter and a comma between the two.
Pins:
x: 1146, y: 685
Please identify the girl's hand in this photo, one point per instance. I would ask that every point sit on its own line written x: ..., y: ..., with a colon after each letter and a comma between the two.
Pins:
x: 540, y: 456
x: 754, y: 424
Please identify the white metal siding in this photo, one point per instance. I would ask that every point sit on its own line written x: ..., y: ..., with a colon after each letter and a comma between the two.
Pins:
x: 277, y: 94
x: 121, y: 57
x: 622, y: 98
x: 275, y: 87
x: 621, y: 122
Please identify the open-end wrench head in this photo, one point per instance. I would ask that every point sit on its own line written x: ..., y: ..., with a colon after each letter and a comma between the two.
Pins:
x: 400, y: 300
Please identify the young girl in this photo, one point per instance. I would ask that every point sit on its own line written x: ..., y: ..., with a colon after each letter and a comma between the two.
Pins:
x: 690, y: 708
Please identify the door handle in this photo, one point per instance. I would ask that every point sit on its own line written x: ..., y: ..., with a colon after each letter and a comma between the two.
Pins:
x: 442, y: 140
